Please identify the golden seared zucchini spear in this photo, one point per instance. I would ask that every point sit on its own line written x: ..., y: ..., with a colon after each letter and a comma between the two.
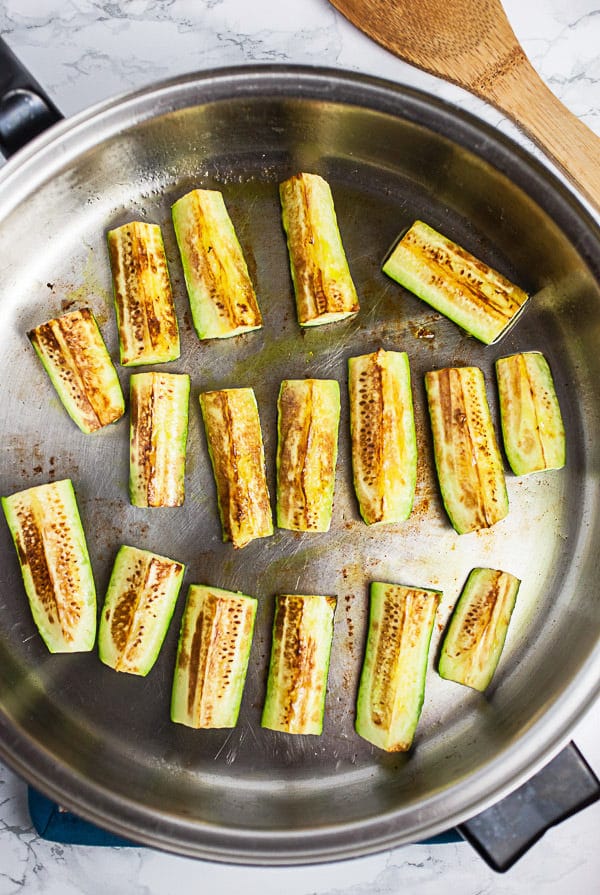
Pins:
x: 454, y: 282
x: 236, y: 451
x: 222, y: 297
x: 212, y: 657
x: 323, y: 285
x: 300, y: 651
x: 532, y: 426
x: 392, y: 682
x: 158, y: 437
x: 138, y: 607
x: 475, y: 636
x: 75, y: 357
x: 468, y: 462
x: 46, y: 529
x: 384, y: 444
x: 148, y: 331
x: 308, y: 421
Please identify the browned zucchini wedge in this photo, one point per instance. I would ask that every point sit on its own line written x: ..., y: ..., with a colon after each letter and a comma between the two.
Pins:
x: 138, y: 607
x: 475, y: 637
x: 300, y: 651
x: 392, y: 683
x: 222, y: 297
x: 46, y: 528
x: 468, y: 462
x: 323, y: 285
x: 476, y: 297
x: 384, y: 443
x: 236, y: 451
x: 212, y: 657
x: 308, y: 420
x: 75, y: 357
x: 148, y: 331
x: 532, y: 426
x: 158, y: 437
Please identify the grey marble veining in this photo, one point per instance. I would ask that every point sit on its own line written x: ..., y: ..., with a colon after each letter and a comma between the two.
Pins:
x: 84, y: 52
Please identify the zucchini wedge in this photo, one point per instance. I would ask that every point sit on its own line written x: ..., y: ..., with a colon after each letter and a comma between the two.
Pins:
x: 468, y: 462
x: 46, y: 529
x: 392, y: 682
x: 75, y: 358
x: 221, y: 294
x: 212, y: 657
x: 148, y: 331
x: 475, y: 637
x: 455, y: 283
x: 382, y: 428
x: 139, y: 603
x: 236, y: 451
x: 308, y: 422
x: 300, y: 651
x: 158, y: 436
x: 532, y: 426
x: 323, y: 285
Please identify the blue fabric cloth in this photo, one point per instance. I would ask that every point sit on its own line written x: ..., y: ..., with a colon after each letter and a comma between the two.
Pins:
x: 58, y: 825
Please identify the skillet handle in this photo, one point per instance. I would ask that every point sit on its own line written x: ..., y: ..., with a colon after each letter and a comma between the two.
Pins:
x: 25, y: 108
x: 503, y: 833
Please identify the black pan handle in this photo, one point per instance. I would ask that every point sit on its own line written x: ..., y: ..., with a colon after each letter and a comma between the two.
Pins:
x: 503, y: 833
x: 25, y: 108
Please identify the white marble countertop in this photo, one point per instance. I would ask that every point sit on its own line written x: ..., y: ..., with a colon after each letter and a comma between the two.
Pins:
x: 83, y: 51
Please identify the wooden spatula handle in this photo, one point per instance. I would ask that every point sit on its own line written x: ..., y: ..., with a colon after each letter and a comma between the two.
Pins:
x: 517, y: 89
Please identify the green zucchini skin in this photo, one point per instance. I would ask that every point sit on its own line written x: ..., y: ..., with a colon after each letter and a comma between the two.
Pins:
x: 222, y: 298
x: 457, y: 284
x: 467, y: 459
x: 308, y: 421
x: 139, y: 603
x: 235, y: 446
x: 532, y: 427
x: 146, y: 318
x: 475, y: 636
x: 384, y: 442
x: 212, y: 657
x: 159, y: 405
x: 299, y: 665
x: 75, y: 357
x: 392, y: 684
x: 50, y: 542
x: 322, y: 281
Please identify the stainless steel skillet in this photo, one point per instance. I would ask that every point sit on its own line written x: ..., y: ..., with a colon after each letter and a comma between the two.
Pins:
x: 102, y: 743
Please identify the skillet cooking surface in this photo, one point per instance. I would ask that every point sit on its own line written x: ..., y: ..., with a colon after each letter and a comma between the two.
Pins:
x: 103, y: 743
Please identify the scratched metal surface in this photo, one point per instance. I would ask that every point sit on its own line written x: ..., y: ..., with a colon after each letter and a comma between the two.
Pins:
x: 103, y: 742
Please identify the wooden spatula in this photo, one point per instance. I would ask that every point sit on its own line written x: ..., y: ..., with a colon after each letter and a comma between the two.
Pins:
x: 471, y: 43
